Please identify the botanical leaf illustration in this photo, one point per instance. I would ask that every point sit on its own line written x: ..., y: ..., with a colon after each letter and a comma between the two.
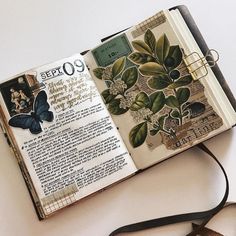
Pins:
x: 141, y: 46
x: 154, y: 131
x: 172, y: 101
x: 107, y: 96
x: 157, y: 101
x: 151, y: 69
x: 161, y: 81
x: 162, y: 48
x: 138, y: 134
x: 114, y: 107
x: 183, y: 81
x: 165, y: 109
x: 140, y: 58
x: 174, y: 57
x: 182, y: 95
x: 175, y: 114
x: 150, y: 40
x: 118, y: 66
x: 185, y: 113
x: 195, y: 108
x: 161, y: 121
x: 98, y: 72
x: 130, y: 76
x: 141, y: 100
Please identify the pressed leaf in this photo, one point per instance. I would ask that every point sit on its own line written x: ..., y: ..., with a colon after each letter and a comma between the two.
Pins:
x: 183, y: 81
x: 118, y: 66
x: 138, y: 134
x: 175, y: 114
x: 172, y: 101
x: 157, y: 101
x: 98, y: 72
x: 185, y: 113
x: 141, y: 100
x: 151, y: 69
x: 154, y: 131
x: 114, y: 107
x: 159, y: 82
x: 175, y: 56
x: 162, y: 48
x: 130, y: 76
x: 140, y: 58
x: 150, y: 40
x: 141, y: 46
x: 183, y: 95
x: 107, y: 96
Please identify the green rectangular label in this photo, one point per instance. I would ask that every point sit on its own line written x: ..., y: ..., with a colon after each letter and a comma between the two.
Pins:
x: 108, y: 52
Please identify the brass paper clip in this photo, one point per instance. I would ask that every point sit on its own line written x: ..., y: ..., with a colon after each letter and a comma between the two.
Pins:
x: 198, y: 66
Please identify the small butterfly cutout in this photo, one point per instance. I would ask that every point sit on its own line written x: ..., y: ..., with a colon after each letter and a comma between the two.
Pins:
x: 39, y: 114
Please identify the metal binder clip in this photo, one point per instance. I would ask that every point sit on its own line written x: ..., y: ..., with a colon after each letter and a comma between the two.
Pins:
x: 197, y: 65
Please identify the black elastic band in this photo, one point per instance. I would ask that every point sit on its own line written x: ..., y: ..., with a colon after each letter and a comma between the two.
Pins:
x: 202, y: 215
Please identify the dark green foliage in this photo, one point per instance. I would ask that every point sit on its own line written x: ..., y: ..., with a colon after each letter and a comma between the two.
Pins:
x: 114, y: 107
x: 138, y: 134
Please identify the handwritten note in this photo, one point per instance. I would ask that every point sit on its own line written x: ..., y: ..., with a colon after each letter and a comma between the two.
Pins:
x: 69, y: 92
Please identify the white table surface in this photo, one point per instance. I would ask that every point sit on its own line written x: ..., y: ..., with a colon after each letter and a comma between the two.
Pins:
x: 33, y: 33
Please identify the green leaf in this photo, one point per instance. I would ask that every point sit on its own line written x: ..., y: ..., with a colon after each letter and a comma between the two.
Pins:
x: 138, y: 134
x: 183, y: 95
x: 176, y: 54
x: 175, y: 114
x: 162, y: 48
x: 172, y: 101
x: 140, y: 58
x: 183, y: 81
x: 159, y: 82
x: 141, y: 46
x: 130, y: 76
x: 98, y: 72
x: 151, y: 69
x: 107, y: 96
x: 157, y: 101
x: 114, y: 107
x: 141, y: 100
x: 154, y: 131
x: 118, y: 66
x: 150, y: 40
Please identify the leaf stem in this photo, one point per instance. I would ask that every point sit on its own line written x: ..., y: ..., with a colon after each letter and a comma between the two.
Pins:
x: 167, y: 72
x: 167, y: 132
x: 179, y: 109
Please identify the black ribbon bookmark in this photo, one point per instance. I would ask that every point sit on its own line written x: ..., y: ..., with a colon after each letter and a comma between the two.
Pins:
x: 205, y: 216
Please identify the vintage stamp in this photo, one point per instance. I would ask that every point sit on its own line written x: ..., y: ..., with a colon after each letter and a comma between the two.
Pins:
x: 108, y: 52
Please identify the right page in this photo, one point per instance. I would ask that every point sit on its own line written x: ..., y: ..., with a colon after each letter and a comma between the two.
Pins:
x: 155, y: 102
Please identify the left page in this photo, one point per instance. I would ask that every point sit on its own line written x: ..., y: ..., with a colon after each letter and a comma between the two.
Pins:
x: 62, y: 131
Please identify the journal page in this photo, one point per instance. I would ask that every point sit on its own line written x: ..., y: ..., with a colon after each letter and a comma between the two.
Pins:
x: 146, y: 84
x: 63, y: 132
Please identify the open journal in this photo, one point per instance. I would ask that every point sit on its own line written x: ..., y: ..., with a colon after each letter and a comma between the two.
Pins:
x: 83, y: 123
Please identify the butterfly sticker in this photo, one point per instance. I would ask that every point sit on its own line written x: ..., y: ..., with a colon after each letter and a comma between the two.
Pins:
x: 39, y: 114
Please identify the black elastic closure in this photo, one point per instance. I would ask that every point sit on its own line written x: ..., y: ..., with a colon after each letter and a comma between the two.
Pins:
x: 205, y: 216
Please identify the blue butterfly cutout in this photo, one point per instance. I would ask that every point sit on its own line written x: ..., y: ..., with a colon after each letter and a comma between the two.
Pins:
x: 39, y: 114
